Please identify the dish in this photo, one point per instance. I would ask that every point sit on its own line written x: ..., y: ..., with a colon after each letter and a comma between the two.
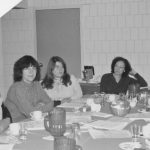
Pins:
x: 130, y: 145
x: 142, y: 110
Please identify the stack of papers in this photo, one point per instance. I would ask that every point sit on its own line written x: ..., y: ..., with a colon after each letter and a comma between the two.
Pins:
x: 72, y: 117
x: 137, y: 116
x: 108, y: 125
x: 100, y: 114
x: 34, y: 125
x: 95, y: 134
x: 71, y: 105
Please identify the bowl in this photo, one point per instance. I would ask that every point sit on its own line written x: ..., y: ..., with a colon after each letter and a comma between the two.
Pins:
x: 120, y: 108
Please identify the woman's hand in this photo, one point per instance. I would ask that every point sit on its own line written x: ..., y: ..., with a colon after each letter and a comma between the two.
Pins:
x: 132, y: 72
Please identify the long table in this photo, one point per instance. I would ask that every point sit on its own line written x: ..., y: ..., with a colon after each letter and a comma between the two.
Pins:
x: 35, y: 139
x: 35, y: 142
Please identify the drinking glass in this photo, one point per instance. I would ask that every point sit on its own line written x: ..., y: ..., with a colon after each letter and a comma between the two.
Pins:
x: 135, y: 132
x: 102, y: 94
x: 75, y: 131
x: 23, y: 132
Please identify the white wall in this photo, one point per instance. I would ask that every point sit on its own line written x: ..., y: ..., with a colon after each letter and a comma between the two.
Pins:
x: 1, y: 63
x: 109, y: 28
x: 18, y: 31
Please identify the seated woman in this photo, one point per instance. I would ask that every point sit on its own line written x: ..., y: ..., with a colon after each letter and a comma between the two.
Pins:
x: 58, y: 84
x: 118, y: 80
x: 26, y: 93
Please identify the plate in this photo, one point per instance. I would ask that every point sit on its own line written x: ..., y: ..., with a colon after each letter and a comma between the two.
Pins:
x: 142, y: 111
x: 130, y: 145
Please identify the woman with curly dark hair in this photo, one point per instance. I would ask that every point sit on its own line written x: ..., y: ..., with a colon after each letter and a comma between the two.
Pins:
x: 118, y: 80
x: 26, y: 93
x: 58, y: 84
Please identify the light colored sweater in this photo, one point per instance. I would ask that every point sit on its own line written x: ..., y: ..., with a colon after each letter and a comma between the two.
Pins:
x: 23, y: 98
x: 60, y: 91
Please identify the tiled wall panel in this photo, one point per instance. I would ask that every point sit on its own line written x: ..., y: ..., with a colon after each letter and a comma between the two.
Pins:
x: 18, y: 39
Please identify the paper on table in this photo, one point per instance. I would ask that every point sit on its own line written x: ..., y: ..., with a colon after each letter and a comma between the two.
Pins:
x: 6, y: 146
x: 50, y: 138
x: 109, y: 133
x: 137, y: 116
x: 109, y: 125
x: 100, y: 114
x: 34, y: 125
x: 71, y: 105
x: 77, y: 117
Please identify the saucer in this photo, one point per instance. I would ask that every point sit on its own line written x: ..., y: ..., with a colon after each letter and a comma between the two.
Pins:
x: 130, y: 145
x: 142, y: 110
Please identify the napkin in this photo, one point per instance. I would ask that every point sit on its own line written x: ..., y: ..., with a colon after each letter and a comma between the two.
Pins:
x: 94, y: 107
x: 111, y: 97
x: 95, y: 134
x: 49, y: 138
x: 146, y: 131
x: 6, y: 146
x: 90, y: 101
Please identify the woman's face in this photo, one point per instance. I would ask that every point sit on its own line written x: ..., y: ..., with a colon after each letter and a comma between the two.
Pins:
x: 119, y: 68
x: 58, y: 70
x: 29, y: 74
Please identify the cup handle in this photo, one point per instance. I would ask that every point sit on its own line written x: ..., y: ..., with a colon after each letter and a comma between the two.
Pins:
x: 31, y: 114
x: 78, y: 147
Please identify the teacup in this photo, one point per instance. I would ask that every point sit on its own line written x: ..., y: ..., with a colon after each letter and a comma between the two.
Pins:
x: 36, y: 115
x: 14, y: 129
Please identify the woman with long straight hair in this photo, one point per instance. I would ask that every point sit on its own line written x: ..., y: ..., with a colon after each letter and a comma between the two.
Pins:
x: 59, y: 84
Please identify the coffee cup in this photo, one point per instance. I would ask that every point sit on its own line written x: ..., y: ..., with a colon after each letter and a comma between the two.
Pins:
x: 14, y: 129
x: 36, y: 115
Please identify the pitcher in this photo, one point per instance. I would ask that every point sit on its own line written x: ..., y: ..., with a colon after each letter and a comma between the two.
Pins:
x: 55, y: 122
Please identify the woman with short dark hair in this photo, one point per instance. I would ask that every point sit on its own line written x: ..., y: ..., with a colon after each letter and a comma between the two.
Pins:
x: 118, y: 80
x: 26, y: 93
x: 58, y: 84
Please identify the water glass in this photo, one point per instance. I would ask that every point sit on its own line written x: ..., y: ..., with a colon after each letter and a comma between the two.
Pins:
x: 76, y: 131
x: 23, y: 132
x: 135, y: 131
